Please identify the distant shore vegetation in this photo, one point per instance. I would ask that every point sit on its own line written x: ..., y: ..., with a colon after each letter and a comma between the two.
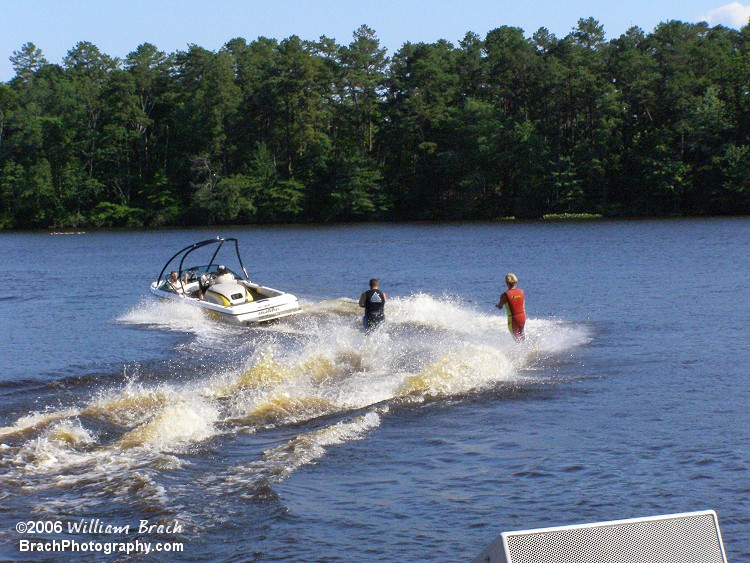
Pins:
x: 506, y: 125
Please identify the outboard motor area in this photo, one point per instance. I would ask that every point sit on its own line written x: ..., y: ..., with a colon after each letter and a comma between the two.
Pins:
x: 227, y: 294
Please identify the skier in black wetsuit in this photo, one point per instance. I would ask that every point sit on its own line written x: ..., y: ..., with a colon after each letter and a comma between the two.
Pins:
x: 373, y: 301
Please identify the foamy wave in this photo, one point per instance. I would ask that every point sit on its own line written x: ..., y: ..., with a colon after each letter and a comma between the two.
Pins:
x: 458, y: 372
x: 266, y: 372
x: 333, y: 368
x: 445, y: 312
x: 313, y: 365
x: 554, y: 337
x: 174, y: 427
x: 283, y: 407
x: 58, y: 446
x: 309, y: 447
x: 342, y: 306
x: 173, y: 316
x: 278, y: 463
x: 35, y: 421
x: 130, y: 405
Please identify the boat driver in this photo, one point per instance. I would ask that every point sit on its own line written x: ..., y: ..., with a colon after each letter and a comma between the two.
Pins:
x: 174, y: 283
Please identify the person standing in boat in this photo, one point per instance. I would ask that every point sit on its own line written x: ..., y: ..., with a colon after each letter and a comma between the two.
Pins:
x: 515, y: 303
x: 223, y: 275
x: 373, y: 301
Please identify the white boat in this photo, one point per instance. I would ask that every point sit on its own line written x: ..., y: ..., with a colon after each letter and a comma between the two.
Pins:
x: 220, y: 291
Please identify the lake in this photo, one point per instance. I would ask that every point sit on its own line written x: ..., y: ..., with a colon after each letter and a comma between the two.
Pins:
x: 306, y: 440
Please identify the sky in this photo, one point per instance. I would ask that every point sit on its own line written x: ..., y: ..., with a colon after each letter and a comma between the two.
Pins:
x: 118, y: 27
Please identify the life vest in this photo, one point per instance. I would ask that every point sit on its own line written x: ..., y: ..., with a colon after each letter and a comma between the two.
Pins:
x: 374, y: 303
x: 177, y: 287
x: 515, y: 304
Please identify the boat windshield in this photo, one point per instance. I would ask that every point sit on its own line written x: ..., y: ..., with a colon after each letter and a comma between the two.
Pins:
x: 194, y: 272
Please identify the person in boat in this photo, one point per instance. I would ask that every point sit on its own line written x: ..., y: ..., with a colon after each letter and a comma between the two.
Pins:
x: 174, y: 283
x: 223, y: 275
x: 204, y: 282
x: 373, y: 301
x: 515, y: 303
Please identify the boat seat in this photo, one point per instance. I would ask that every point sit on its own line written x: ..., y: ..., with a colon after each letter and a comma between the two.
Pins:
x: 255, y: 295
x: 226, y: 294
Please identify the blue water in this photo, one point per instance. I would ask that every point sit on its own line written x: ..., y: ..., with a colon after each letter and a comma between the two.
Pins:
x: 307, y: 441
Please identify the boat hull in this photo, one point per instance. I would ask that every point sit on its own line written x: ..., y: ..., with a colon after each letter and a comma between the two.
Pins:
x: 252, y: 313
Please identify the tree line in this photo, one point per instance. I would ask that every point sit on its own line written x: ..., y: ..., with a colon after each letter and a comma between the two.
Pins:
x: 294, y: 131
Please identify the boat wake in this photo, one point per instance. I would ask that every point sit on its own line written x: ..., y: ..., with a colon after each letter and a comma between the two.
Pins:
x: 314, y: 379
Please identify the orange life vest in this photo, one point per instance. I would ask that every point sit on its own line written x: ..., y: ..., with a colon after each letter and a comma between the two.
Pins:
x: 515, y: 304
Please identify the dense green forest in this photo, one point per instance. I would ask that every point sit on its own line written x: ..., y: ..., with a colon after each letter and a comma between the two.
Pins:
x: 290, y: 131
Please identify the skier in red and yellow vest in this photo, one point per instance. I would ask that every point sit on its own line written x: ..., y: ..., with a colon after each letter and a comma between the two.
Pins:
x: 514, y: 302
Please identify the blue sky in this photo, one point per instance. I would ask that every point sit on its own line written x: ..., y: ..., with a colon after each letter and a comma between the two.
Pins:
x: 118, y: 27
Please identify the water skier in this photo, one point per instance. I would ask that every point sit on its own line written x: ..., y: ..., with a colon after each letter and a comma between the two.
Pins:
x: 373, y: 301
x: 515, y: 303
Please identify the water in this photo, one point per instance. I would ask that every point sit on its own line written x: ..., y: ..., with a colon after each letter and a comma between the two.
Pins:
x: 304, y: 440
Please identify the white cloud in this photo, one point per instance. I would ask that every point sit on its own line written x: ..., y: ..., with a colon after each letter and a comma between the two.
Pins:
x: 733, y: 14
